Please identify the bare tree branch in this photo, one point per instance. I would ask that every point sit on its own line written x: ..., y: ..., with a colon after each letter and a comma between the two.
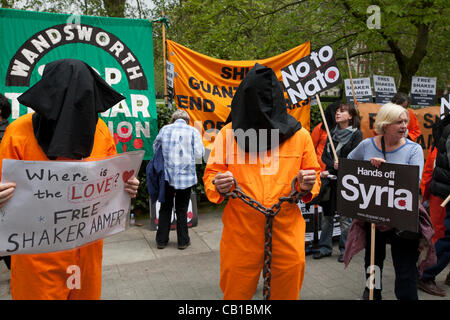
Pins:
x: 363, y: 53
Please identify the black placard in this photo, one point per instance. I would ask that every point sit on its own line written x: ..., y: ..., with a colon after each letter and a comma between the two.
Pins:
x: 311, y: 75
x: 388, y: 195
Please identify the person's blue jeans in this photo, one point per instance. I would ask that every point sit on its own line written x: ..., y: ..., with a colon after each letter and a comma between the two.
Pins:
x: 442, y: 247
x: 326, y: 235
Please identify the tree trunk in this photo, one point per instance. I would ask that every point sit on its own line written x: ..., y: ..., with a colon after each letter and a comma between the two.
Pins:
x: 412, y: 64
x: 115, y: 8
x: 405, y: 82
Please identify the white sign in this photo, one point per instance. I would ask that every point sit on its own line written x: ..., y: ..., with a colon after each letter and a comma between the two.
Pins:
x: 384, y: 88
x: 170, y: 71
x: 445, y: 106
x: 423, y: 91
x: 363, y: 90
x: 61, y: 205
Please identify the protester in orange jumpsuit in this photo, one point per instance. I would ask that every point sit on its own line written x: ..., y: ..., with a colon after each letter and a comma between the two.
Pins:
x: 319, y: 138
x: 437, y: 213
x: 319, y: 134
x: 259, y: 104
x: 64, y: 126
x: 403, y: 100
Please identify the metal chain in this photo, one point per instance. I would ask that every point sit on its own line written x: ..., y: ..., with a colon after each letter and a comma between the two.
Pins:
x: 269, y: 213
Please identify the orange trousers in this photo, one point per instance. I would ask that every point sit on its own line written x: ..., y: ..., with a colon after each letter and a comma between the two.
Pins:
x: 437, y: 215
x: 52, y: 276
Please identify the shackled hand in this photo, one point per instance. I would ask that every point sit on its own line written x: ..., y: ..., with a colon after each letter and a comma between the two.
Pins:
x: 224, y: 182
x: 306, y: 179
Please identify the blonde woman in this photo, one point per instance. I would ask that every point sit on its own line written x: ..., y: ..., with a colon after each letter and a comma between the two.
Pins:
x: 390, y: 145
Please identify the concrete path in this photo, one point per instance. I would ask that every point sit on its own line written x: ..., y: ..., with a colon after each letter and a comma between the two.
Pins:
x: 133, y: 268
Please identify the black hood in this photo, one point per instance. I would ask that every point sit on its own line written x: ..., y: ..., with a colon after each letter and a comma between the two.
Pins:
x: 67, y: 101
x: 259, y: 103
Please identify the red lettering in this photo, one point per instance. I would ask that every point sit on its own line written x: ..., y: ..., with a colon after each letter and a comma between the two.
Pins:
x: 108, y: 185
x: 92, y: 190
x: 91, y: 186
x: 73, y: 194
x: 100, y: 187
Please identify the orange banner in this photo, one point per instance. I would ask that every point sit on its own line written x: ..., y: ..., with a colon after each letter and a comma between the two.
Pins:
x: 426, y: 118
x: 205, y: 86
x: 368, y: 112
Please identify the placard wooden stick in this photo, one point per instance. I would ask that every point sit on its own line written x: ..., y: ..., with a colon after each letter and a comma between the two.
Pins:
x: 326, y: 128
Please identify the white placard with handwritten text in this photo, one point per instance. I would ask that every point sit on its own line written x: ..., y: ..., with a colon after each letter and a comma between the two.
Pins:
x: 61, y: 205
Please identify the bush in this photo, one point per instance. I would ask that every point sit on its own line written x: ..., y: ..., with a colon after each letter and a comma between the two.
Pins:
x: 315, y: 116
x: 140, y: 204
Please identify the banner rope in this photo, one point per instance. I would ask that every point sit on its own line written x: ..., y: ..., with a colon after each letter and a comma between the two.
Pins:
x: 163, y: 19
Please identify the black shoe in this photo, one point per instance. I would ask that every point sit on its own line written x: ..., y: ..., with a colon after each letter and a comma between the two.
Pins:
x: 341, y: 258
x: 430, y: 287
x: 184, y: 246
x: 320, y: 255
x: 161, y: 245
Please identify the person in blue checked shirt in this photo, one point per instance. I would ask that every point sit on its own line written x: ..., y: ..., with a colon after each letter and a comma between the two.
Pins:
x: 181, y: 145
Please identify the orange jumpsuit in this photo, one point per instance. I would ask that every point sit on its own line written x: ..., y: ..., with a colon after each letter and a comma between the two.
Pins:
x: 437, y: 213
x: 413, y: 126
x: 319, y: 138
x: 242, y: 243
x: 44, y: 276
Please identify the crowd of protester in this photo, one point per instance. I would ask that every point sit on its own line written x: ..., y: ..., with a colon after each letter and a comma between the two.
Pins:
x: 313, y: 160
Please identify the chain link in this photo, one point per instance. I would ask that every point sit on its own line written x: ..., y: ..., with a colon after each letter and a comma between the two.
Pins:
x: 269, y: 213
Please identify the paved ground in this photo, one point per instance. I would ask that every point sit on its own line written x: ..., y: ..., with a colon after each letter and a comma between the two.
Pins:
x: 133, y: 268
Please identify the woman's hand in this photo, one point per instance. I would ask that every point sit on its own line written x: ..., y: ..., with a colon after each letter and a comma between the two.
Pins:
x: 6, y: 192
x: 131, y: 186
x: 224, y: 182
x: 336, y: 163
x: 324, y: 174
x: 376, y: 162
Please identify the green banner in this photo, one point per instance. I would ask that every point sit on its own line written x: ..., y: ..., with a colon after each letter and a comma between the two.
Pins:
x: 121, y: 50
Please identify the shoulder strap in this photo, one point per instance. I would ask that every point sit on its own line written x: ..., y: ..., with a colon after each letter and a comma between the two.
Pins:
x: 383, y: 147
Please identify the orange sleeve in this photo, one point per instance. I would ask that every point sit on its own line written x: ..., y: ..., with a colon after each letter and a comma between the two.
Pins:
x: 216, y: 164
x: 319, y: 138
x: 315, y: 135
x: 104, y: 139
x: 413, y: 126
x: 12, y: 143
x: 427, y: 173
x: 309, y: 161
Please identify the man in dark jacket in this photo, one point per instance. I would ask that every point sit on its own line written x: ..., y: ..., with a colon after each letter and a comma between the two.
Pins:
x: 440, y: 186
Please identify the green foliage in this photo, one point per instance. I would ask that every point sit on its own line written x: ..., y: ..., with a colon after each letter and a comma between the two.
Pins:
x: 142, y: 197
x: 164, y: 115
x: 412, y: 39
